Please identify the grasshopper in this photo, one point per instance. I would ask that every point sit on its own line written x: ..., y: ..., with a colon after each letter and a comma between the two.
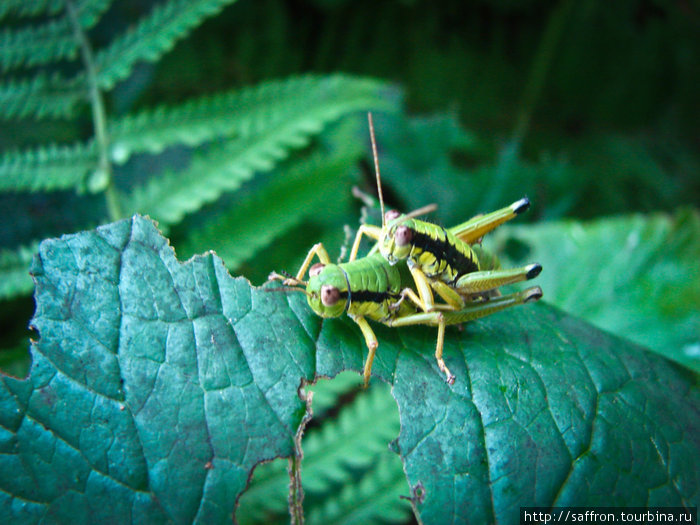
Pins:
x: 445, y: 261
x: 372, y: 288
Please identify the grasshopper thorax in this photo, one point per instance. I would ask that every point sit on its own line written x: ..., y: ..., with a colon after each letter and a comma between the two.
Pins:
x: 327, y: 290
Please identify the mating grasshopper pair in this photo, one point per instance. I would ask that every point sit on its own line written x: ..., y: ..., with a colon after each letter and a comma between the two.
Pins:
x: 394, y: 284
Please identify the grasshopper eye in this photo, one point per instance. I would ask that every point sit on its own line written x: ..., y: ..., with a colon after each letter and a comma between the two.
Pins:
x: 316, y: 269
x: 391, y: 215
x: 329, y: 295
x: 403, y: 235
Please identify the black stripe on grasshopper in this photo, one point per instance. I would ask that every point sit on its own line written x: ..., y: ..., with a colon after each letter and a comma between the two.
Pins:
x: 438, y: 253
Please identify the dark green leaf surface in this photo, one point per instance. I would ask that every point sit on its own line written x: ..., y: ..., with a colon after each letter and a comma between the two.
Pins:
x: 156, y: 386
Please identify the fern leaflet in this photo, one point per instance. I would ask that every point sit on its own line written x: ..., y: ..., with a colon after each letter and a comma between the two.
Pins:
x: 225, y: 166
x: 41, y: 96
x: 54, y: 40
x: 247, y: 112
x: 33, y: 8
x: 376, y: 498
x: 46, y: 168
x: 288, y: 199
x: 14, y: 271
x: 153, y: 36
x: 355, y: 440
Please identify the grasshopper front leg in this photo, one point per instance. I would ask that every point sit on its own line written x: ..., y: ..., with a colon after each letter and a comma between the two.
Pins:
x: 373, y: 232
x: 316, y: 249
x: 372, y: 344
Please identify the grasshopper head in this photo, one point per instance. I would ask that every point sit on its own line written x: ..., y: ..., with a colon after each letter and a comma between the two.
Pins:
x: 395, y: 241
x: 327, y: 291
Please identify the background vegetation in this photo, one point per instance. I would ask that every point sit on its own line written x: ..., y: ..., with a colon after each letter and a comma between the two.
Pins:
x: 241, y: 129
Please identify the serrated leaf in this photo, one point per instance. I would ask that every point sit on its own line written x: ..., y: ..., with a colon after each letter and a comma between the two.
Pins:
x: 148, y: 372
x: 152, y: 37
x: 269, y: 137
x: 50, y: 167
x: 36, y: 7
x: 292, y: 195
x: 310, y: 100
x: 48, y: 42
x: 49, y: 96
x: 636, y: 275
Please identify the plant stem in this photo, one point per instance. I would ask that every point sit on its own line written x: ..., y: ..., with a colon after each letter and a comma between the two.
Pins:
x: 99, y: 115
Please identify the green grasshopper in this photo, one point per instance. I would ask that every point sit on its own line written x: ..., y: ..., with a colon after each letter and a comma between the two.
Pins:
x: 372, y: 288
x: 444, y: 261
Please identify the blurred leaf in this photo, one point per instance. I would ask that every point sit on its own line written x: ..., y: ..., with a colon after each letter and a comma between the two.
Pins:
x: 46, y: 168
x: 296, y: 191
x: 15, y: 361
x: 374, y: 499
x: 637, y: 276
x: 153, y: 36
x: 268, y: 133
x: 303, y: 104
x: 14, y: 271
x: 416, y: 160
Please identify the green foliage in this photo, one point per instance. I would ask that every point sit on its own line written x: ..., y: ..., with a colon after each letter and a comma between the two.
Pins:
x: 42, y: 96
x: 158, y: 386
x: 264, y: 133
x: 47, y: 168
x: 14, y: 266
x: 647, y: 282
x: 237, y: 134
x: 235, y: 128
x: 302, y: 105
x: 55, y: 40
x: 21, y: 8
x: 154, y: 35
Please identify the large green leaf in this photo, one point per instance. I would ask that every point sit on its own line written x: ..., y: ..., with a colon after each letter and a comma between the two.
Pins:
x: 637, y: 276
x: 156, y: 386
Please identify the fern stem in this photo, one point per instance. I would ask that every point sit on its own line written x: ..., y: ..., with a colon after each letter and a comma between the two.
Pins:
x: 99, y: 116
x: 540, y: 67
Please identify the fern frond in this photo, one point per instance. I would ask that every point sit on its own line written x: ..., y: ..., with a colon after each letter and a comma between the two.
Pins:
x: 33, y: 8
x: 49, y: 42
x: 327, y: 392
x: 32, y: 46
x: 46, y: 168
x: 41, y: 96
x: 376, y: 498
x: 153, y: 36
x: 14, y: 271
x: 226, y: 166
x: 303, y: 103
x: 287, y: 200
x: 355, y: 439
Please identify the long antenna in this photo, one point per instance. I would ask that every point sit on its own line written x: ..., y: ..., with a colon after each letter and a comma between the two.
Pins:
x: 376, y: 166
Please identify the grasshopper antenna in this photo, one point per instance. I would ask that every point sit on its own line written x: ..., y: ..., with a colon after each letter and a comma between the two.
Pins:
x: 376, y: 166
